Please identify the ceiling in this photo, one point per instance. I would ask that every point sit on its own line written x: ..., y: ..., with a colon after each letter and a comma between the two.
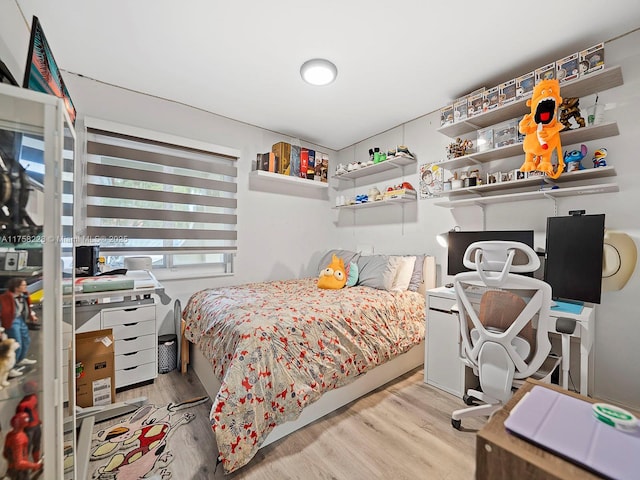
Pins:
x: 396, y: 60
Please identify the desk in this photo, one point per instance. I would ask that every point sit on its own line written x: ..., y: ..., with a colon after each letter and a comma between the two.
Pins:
x: 443, y: 364
x: 500, y: 455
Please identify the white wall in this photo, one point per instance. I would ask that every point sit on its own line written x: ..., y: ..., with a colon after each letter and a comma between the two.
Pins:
x: 616, y: 351
x: 281, y: 235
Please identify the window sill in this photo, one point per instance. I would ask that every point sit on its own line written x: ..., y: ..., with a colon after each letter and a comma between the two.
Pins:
x: 187, y: 273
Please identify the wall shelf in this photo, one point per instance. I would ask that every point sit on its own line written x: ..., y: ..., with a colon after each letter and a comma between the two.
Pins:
x: 594, y: 82
x: 398, y: 161
x: 533, y: 195
x: 577, y: 175
x: 278, y: 177
x: 380, y: 203
x: 568, y: 137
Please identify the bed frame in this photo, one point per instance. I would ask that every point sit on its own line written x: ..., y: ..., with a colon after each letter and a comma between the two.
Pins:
x: 333, y: 399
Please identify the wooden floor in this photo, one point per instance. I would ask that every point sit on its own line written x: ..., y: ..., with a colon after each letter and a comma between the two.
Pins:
x: 401, y: 431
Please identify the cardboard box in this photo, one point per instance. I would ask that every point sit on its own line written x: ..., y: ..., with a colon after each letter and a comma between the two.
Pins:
x: 461, y: 109
x: 507, y: 92
x: 548, y: 72
x: 446, y: 115
x: 304, y: 162
x: 525, y: 84
x: 475, y: 104
x: 567, y: 68
x: 592, y: 59
x: 95, y: 368
x: 492, y: 97
x: 282, y: 150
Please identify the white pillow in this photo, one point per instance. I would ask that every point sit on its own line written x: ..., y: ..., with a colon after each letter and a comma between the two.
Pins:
x: 403, y: 274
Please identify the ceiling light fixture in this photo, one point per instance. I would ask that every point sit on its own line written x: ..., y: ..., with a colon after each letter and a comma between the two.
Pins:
x: 318, y: 71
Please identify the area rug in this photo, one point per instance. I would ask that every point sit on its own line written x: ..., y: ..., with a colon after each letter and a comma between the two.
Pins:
x: 139, y: 445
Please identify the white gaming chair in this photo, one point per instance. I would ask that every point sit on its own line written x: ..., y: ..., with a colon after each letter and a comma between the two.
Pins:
x: 504, y: 322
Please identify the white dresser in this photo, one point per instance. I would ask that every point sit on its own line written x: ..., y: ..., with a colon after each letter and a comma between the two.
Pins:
x: 136, y: 348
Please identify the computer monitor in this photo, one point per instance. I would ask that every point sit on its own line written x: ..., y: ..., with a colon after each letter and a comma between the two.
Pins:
x: 574, y: 250
x: 459, y: 241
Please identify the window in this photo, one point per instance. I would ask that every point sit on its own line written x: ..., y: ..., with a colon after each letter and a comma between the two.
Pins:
x: 153, y: 194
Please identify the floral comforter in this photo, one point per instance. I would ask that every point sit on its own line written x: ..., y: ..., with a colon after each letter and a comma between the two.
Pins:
x: 277, y: 346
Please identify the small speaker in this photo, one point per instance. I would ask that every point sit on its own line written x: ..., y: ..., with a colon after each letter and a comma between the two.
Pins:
x: 87, y: 260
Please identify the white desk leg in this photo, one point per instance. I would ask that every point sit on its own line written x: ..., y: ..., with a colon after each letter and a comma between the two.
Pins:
x: 586, y: 341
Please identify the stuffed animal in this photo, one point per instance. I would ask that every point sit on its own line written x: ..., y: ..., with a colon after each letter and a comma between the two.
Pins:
x: 542, y: 130
x: 8, y: 349
x: 334, y: 276
x: 599, y: 158
x: 573, y: 158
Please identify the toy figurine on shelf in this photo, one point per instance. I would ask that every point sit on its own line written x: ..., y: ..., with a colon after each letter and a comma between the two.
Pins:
x: 599, y: 158
x: 8, y: 348
x: 573, y: 158
x: 15, y: 310
x: 459, y: 148
x: 16, y: 446
x: 29, y: 405
x: 569, y: 108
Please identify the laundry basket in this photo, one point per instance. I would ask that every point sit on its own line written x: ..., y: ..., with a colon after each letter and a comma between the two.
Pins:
x: 167, y: 353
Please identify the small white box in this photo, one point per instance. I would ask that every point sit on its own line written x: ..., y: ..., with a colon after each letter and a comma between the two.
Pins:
x: 11, y: 261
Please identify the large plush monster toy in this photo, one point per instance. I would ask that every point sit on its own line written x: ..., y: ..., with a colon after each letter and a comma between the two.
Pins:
x: 542, y: 130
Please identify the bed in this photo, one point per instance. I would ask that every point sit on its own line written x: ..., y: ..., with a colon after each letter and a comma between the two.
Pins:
x: 277, y: 355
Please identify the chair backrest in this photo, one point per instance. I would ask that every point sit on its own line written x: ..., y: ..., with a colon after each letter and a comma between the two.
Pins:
x: 499, y: 307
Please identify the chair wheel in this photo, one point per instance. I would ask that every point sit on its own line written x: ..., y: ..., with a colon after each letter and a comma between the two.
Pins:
x: 468, y: 399
x: 456, y: 424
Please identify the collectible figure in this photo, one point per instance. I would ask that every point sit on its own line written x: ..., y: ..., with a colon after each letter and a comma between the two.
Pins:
x: 459, y: 148
x: 8, y: 349
x: 573, y: 158
x: 542, y: 130
x: 599, y: 158
x: 569, y: 108
x: 33, y: 429
x: 16, y: 446
x: 15, y: 309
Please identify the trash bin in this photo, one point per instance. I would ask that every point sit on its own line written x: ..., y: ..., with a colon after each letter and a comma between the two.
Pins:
x: 167, y: 353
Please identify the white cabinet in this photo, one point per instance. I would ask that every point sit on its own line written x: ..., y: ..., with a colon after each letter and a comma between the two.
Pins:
x: 570, y: 184
x: 136, y: 343
x: 443, y: 367
x: 35, y: 132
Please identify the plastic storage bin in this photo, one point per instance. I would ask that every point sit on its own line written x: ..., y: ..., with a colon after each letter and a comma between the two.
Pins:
x: 167, y: 353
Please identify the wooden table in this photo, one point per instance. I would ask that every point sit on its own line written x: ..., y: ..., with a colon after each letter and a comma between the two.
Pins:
x: 501, y: 455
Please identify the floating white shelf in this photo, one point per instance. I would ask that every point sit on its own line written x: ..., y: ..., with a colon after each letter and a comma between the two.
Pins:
x: 278, y: 177
x: 568, y: 137
x: 533, y: 195
x: 381, y: 203
x: 398, y: 161
x: 594, y: 82
x: 574, y: 176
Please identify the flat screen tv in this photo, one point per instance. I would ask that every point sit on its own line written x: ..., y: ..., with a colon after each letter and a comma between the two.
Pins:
x: 41, y: 73
x: 574, y: 250
x: 459, y: 241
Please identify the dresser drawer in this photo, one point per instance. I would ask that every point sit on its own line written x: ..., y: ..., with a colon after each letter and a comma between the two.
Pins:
x: 136, y: 329
x: 135, y: 344
x: 441, y: 303
x: 132, y: 359
x: 121, y: 316
x: 137, y: 374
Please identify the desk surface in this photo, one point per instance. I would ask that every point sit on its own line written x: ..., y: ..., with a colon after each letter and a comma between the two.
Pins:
x: 501, y: 455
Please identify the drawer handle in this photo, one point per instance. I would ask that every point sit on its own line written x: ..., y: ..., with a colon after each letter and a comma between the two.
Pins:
x: 129, y: 339
x: 129, y: 324
x: 131, y: 368
x: 129, y: 354
x: 131, y: 309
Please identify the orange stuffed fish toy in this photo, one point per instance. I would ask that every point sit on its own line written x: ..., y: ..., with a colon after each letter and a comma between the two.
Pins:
x: 542, y: 130
x: 334, y: 276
